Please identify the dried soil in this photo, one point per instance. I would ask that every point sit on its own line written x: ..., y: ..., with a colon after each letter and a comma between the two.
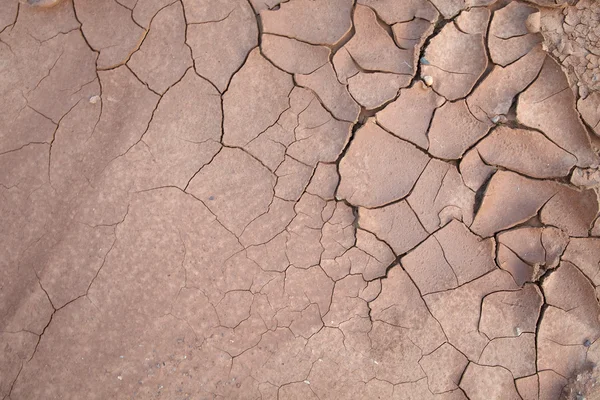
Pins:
x: 302, y: 199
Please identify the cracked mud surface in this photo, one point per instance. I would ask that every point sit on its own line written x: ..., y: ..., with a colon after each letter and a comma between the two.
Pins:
x: 318, y: 199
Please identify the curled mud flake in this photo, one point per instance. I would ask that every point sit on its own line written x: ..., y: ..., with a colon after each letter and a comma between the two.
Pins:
x: 343, y: 64
x: 521, y: 271
x: 527, y: 152
x: 474, y: 171
x: 526, y: 242
x: 509, y: 200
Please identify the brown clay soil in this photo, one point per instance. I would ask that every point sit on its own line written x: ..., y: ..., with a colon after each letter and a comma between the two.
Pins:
x: 318, y: 199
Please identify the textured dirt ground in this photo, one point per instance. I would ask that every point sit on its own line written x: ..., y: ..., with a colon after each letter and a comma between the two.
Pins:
x: 319, y: 199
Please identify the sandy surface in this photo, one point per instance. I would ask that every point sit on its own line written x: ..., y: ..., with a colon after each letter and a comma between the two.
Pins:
x: 319, y: 199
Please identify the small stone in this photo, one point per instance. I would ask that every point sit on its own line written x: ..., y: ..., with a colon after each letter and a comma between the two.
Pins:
x: 587, y: 343
x: 120, y: 377
x: 424, y: 61
x: 428, y: 80
x: 496, y: 119
x: 94, y: 99
x: 41, y: 3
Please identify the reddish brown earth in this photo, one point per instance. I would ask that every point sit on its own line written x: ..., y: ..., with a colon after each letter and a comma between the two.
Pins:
x: 318, y: 199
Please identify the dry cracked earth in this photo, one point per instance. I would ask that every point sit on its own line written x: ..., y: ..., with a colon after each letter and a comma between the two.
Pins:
x: 318, y: 199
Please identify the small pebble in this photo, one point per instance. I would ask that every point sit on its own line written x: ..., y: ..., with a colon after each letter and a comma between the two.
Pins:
x: 120, y: 377
x: 424, y: 61
x: 496, y: 119
x: 587, y: 343
x: 41, y: 3
x: 428, y: 80
x: 211, y: 197
x: 94, y: 99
